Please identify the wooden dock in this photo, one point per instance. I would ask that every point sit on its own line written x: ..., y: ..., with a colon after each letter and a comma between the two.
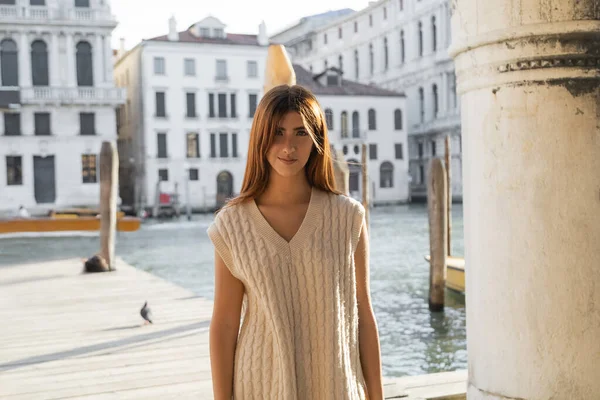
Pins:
x: 67, y: 335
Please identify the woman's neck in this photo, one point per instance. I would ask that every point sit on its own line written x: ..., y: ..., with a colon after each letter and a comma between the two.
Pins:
x: 286, y: 190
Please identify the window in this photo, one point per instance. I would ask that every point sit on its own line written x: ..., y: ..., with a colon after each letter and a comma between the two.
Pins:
x: 434, y: 91
x: 421, y: 174
x: 89, y: 168
x: 398, y: 151
x: 221, y: 69
x: 356, y: 65
x: 232, y: 101
x: 213, y: 145
x: 161, y: 145
x: 344, y: 124
x: 384, y: 12
x: 345, y: 150
x: 329, y: 118
x: 252, y: 69
x: 160, y: 105
x: 452, y: 89
x: 87, y: 123
x: 372, y: 151
x: 193, y: 174
x: 420, y: 39
x: 204, y: 32
x: 9, y: 63
x: 398, y: 119
x: 370, y: 20
x: 433, y: 148
x: 420, y: 150
x: 190, y: 100
x: 325, y: 65
x: 192, y: 145
x: 372, y: 120
x: 434, y: 34
x: 341, y: 63
x: 12, y: 124
x: 222, y: 105
x: 189, y: 67
x: 223, y: 148
x: 386, y: 175
x: 82, y: 3
x: 211, y: 105
x: 355, y: 26
x: 37, y: 2
x: 219, y: 32
x: 234, y: 152
x: 422, y: 104
x: 355, y: 125
x: 402, y: 58
x: 401, y: 4
x: 14, y: 171
x: 85, y: 70
x: 159, y: 66
x: 325, y: 38
x: 385, y: 54
x: 252, y: 99
x: 340, y: 33
x: 163, y: 174
x: 371, y: 59
x: 39, y: 63
x: 41, y: 124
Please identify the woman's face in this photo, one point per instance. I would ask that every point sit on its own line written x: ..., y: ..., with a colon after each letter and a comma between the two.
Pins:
x: 291, y: 146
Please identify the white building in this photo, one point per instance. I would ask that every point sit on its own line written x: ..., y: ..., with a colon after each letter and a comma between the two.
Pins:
x: 191, y: 100
x: 357, y: 114
x: 399, y: 45
x: 57, y: 101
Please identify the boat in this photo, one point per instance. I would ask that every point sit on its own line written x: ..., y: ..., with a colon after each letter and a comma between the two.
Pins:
x: 455, y: 273
x: 68, y: 220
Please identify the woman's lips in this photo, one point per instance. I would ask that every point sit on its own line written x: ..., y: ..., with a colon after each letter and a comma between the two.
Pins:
x: 286, y: 160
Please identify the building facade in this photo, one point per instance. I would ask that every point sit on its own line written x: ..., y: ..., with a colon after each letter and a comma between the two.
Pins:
x: 400, y: 45
x: 57, y: 100
x: 186, y: 122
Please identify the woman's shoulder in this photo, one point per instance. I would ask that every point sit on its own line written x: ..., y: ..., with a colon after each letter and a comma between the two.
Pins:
x: 346, y: 203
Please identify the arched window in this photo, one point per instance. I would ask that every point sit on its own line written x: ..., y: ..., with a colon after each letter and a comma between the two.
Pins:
x: 9, y: 63
x: 398, y: 119
x: 85, y: 74
x: 356, y: 64
x: 434, y: 90
x: 422, y: 104
x: 371, y: 59
x: 344, y: 125
x: 329, y: 118
x: 39, y: 63
x: 355, y: 125
x: 402, y: 58
x: 385, y: 53
x: 434, y: 34
x: 386, y: 175
x: 341, y: 63
x: 372, y: 120
x: 420, y: 39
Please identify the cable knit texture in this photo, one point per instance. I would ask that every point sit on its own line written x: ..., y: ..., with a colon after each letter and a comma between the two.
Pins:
x: 299, y: 335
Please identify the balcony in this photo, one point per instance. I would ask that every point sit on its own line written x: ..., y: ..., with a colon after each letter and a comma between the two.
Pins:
x: 353, y: 137
x: 10, y: 13
x: 440, y: 123
x: 77, y: 95
x: 222, y: 78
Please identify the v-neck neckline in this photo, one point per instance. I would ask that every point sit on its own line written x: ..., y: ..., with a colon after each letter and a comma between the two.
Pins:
x: 276, y: 238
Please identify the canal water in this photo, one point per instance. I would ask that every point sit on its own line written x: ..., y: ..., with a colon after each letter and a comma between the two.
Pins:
x: 413, y: 340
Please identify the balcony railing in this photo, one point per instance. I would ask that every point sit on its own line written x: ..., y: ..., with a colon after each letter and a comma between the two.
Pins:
x: 352, y: 136
x: 44, y: 13
x: 78, y: 95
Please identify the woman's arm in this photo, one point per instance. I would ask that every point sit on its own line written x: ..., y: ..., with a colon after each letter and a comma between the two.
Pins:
x: 224, y: 327
x: 368, y: 337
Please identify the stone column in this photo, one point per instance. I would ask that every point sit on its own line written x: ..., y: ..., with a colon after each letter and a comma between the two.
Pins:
x: 53, y: 60
x: 71, y: 64
x: 98, y: 61
x: 529, y: 79
x: 108, y: 61
x: 24, y: 51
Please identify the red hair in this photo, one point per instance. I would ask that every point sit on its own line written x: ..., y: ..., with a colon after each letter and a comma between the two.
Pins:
x: 272, y: 108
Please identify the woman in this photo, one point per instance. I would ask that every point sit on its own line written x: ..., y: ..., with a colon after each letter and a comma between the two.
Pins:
x: 294, y: 252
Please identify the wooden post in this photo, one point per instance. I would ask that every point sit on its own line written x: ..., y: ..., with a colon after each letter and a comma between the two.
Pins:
x: 448, y: 158
x: 438, y: 242
x: 279, y: 69
x: 365, y: 182
x: 109, y: 187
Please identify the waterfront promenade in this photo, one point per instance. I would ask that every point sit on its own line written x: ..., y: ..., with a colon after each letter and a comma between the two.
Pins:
x: 71, y: 335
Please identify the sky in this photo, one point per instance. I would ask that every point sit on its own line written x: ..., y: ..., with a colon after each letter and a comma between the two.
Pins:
x: 137, y: 20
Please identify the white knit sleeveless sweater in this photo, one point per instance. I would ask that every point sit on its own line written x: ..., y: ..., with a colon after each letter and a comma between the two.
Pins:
x: 299, y: 335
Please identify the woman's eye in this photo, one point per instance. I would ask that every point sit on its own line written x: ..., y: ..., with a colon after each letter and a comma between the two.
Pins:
x: 302, y: 133
x: 279, y: 133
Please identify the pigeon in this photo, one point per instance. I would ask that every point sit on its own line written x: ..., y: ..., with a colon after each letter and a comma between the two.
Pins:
x: 146, y: 313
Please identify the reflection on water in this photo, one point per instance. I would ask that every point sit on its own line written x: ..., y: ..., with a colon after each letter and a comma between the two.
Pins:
x: 413, y: 341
